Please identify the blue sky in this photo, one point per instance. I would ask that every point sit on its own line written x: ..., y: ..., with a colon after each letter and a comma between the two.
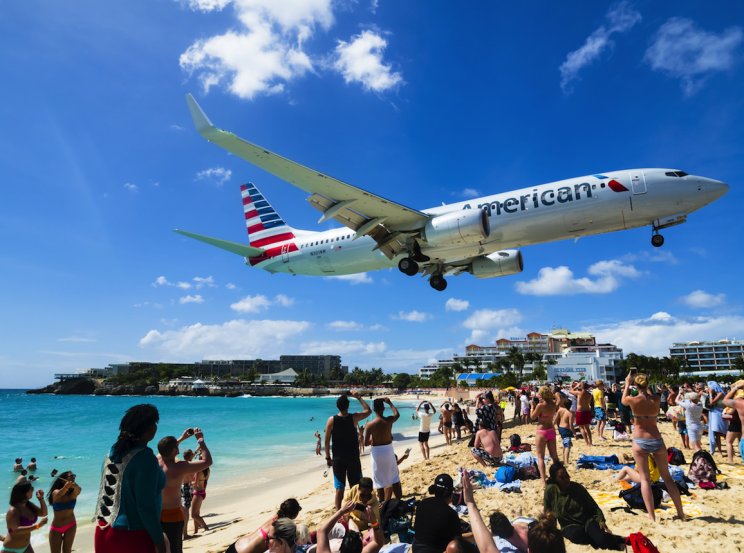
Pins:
x: 421, y: 102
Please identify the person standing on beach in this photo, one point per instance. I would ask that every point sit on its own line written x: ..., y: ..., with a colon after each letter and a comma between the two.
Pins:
x: 583, y: 410
x: 317, y: 445
x: 201, y: 479
x: 447, y: 420
x: 600, y: 409
x: 341, y: 430
x: 738, y: 404
x: 187, y: 494
x: 360, y: 432
x: 566, y: 429
x: 379, y: 435
x: 62, y: 499
x: 171, y: 516
x: 425, y: 417
x: 23, y: 517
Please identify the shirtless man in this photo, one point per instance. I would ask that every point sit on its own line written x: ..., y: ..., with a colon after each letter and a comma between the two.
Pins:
x: 171, y: 515
x: 32, y: 464
x: 583, y: 410
x: 18, y: 467
x: 514, y: 531
x: 738, y: 404
x: 379, y: 435
x: 447, y: 412
x: 563, y: 418
x: 487, y: 448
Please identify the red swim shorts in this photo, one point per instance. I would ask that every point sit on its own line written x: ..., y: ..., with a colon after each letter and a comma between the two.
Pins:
x: 583, y: 418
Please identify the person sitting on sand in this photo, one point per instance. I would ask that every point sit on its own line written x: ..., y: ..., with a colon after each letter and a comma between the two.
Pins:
x: 629, y: 474
x: 583, y: 410
x: 18, y: 467
x: 563, y: 418
x: 487, y: 450
x: 23, y: 517
x: 256, y: 542
x: 32, y: 464
x: 352, y: 541
x: 544, y: 413
x: 171, y: 514
x: 581, y: 519
x: 436, y: 523
x: 363, y: 493
x: 647, y: 440
x: 513, y: 531
x: 62, y: 498
x: 543, y: 535
x: 379, y: 435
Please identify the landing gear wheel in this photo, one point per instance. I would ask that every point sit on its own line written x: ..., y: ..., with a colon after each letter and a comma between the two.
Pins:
x: 657, y: 240
x: 408, y: 266
x: 438, y: 283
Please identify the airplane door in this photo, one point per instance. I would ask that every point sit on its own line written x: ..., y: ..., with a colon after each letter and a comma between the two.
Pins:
x: 285, y: 253
x: 638, y: 182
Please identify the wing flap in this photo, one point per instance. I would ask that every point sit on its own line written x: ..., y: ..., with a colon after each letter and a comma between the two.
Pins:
x: 232, y: 247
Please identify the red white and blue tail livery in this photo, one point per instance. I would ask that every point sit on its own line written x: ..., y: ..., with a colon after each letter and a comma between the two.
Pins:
x: 481, y: 237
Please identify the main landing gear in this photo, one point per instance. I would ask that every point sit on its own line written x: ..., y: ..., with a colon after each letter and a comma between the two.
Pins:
x: 438, y: 283
x: 408, y: 266
x: 657, y: 240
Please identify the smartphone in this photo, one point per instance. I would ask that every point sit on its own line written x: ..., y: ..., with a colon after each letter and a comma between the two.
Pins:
x: 408, y: 450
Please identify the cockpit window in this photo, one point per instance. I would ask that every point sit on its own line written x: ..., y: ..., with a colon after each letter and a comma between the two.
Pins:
x: 676, y: 174
x: 681, y: 173
x: 671, y: 174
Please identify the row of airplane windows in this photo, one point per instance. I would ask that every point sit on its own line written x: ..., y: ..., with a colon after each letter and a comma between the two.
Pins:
x: 326, y: 241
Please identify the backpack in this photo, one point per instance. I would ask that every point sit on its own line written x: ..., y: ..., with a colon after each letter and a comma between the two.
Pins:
x: 703, y: 468
x: 634, y: 498
x: 506, y: 474
x: 529, y: 473
x: 515, y: 441
x: 640, y: 544
x: 620, y: 427
x: 676, y: 457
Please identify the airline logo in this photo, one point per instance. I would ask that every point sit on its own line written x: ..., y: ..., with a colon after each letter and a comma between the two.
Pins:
x: 613, y: 184
x: 266, y: 229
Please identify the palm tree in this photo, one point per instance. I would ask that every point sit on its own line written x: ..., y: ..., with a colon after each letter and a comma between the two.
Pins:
x: 467, y: 362
x: 516, y: 359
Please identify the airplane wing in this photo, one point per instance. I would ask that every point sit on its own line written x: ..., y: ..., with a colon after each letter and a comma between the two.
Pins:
x: 232, y: 247
x: 353, y: 207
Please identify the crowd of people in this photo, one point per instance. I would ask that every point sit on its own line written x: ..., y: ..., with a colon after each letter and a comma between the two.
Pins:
x: 146, y: 499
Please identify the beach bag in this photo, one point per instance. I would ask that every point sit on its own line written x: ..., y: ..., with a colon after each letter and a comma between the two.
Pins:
x: 529, y: 472
x: 620, y: 427
x: 640, y: 544
x: 703, y: 468
x: 634, y: 498
x: 620, y: 436
x: 515, y: 441
x: 506, y: 474
x: 676, y: 413
x: 523, y: 448
x: 675, y: 456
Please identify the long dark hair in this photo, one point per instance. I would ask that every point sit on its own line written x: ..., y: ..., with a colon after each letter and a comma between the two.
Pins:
x: 19, y: 493
x: 289, y: 508
x: 137, y: 420
x: 58, y: 484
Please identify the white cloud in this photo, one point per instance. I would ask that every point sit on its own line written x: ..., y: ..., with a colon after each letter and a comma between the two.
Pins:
x: 76, y: 339
x: 656, y: 256
x: 161, y: 281
x: 143, y: 303
x: 169, y: 322
x: 230, y: 286
x: 373, y: 6
x: 232, y: 340
x: 700, y: 299
x: 342, y: 347
x: 470, y: 193
x: 176, y: 128
x: 283, y: 300
x: 132, y: 187
x: 682, y: 50
x: 413, y: 316
x: 621, y: 18
x: 361, y: 61
x: 251, y: 304
x: 191, y: 299
x: 217, y: 175
x: 264, y: 51
x: 655, y: 335
x: 561, y: 281
x: 341, y: 326
x: 184, y: 285
x: 488, y: 318
x: 209, y: 281
x: 358, y: 278
x: 456, y: 305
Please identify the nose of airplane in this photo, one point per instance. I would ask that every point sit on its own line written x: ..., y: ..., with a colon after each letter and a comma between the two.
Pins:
x: 716, y: 189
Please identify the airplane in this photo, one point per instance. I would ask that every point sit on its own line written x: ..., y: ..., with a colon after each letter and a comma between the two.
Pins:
x: 482, y: 237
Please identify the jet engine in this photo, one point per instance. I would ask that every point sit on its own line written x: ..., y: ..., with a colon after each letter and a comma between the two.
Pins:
x: 504, y: 263
x: 467, y: 226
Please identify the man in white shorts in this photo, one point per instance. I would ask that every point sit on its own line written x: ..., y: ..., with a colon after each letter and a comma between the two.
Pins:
x: 524, y: 404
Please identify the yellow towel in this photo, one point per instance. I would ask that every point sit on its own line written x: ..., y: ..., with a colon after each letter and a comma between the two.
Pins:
x: 610, y: 500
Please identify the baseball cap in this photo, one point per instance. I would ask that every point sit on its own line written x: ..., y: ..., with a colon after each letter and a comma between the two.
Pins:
x: 445, y: 482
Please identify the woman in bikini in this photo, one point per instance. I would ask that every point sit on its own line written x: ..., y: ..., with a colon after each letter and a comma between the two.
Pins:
x: 647, y: 440
x: 62, y: 498
x: 256, y: 542
x: 200, y: 494
x: 317, y: 445
x: 544, y: 412
x: 23, y: 518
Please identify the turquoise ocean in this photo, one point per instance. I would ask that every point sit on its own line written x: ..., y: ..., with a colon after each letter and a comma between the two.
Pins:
x: 252, y: 440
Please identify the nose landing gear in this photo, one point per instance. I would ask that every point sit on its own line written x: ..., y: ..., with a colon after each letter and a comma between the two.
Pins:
x: 408, y: 266
x: 438, y: 283
x: 657, y: 240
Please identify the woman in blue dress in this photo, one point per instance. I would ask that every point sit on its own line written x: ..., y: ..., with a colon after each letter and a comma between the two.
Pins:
x: 717, y: 427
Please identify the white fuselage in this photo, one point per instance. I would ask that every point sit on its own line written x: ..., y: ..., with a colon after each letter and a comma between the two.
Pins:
x: 546, y: 213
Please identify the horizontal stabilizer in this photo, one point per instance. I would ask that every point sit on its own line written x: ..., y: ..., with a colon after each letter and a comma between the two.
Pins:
x: 232, y: 247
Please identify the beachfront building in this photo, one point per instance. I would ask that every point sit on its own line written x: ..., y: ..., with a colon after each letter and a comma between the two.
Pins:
x: 283, y: 377
x: 708, y: 358
x: 593, y: 363
x: 319, y: 365
x: 428, y: 370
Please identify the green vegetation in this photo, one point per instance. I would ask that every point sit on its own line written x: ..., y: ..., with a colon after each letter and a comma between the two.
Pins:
x: 162, y: 372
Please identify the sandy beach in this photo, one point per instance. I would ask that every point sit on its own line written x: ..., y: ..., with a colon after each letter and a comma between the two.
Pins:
x: 718, y: 524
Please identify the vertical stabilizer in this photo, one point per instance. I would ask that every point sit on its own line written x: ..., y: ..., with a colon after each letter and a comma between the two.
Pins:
x: 266, y: 228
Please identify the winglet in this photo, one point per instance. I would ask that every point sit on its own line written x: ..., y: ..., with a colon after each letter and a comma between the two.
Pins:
x: 201, y: 120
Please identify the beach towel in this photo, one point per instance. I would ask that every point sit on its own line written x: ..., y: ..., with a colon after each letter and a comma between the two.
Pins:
x: 730, y: 471
x: 384, y: 466
x: 610, y: 500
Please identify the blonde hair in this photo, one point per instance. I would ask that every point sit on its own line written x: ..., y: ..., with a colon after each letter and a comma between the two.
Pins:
x: 641, y: 380
x: 598, y: 382
x: 545, y: 393
x: 303, y: 534
x: 693, y: 396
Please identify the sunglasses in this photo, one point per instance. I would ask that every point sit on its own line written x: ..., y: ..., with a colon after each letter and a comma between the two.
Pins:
x: 268, y: 539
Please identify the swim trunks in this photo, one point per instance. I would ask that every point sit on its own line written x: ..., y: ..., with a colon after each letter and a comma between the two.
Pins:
x: 186, y: 495
x: 346, y: 469
x: 583, y: 418
x: 682, y: 428
x: 448, y: 424
x: 600, y: 414
x: 424, y: 437
x: 483, y: 454
x: 566, y: 435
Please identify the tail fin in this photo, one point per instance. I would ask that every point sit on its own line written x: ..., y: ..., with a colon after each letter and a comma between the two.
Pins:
x: 265, y: 226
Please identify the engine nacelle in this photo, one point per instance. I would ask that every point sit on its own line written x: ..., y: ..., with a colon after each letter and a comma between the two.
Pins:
x: 504, y: 263
x: 467, y: 226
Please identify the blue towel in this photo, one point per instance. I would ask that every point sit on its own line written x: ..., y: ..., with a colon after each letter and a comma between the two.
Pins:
x: 599, y: 459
